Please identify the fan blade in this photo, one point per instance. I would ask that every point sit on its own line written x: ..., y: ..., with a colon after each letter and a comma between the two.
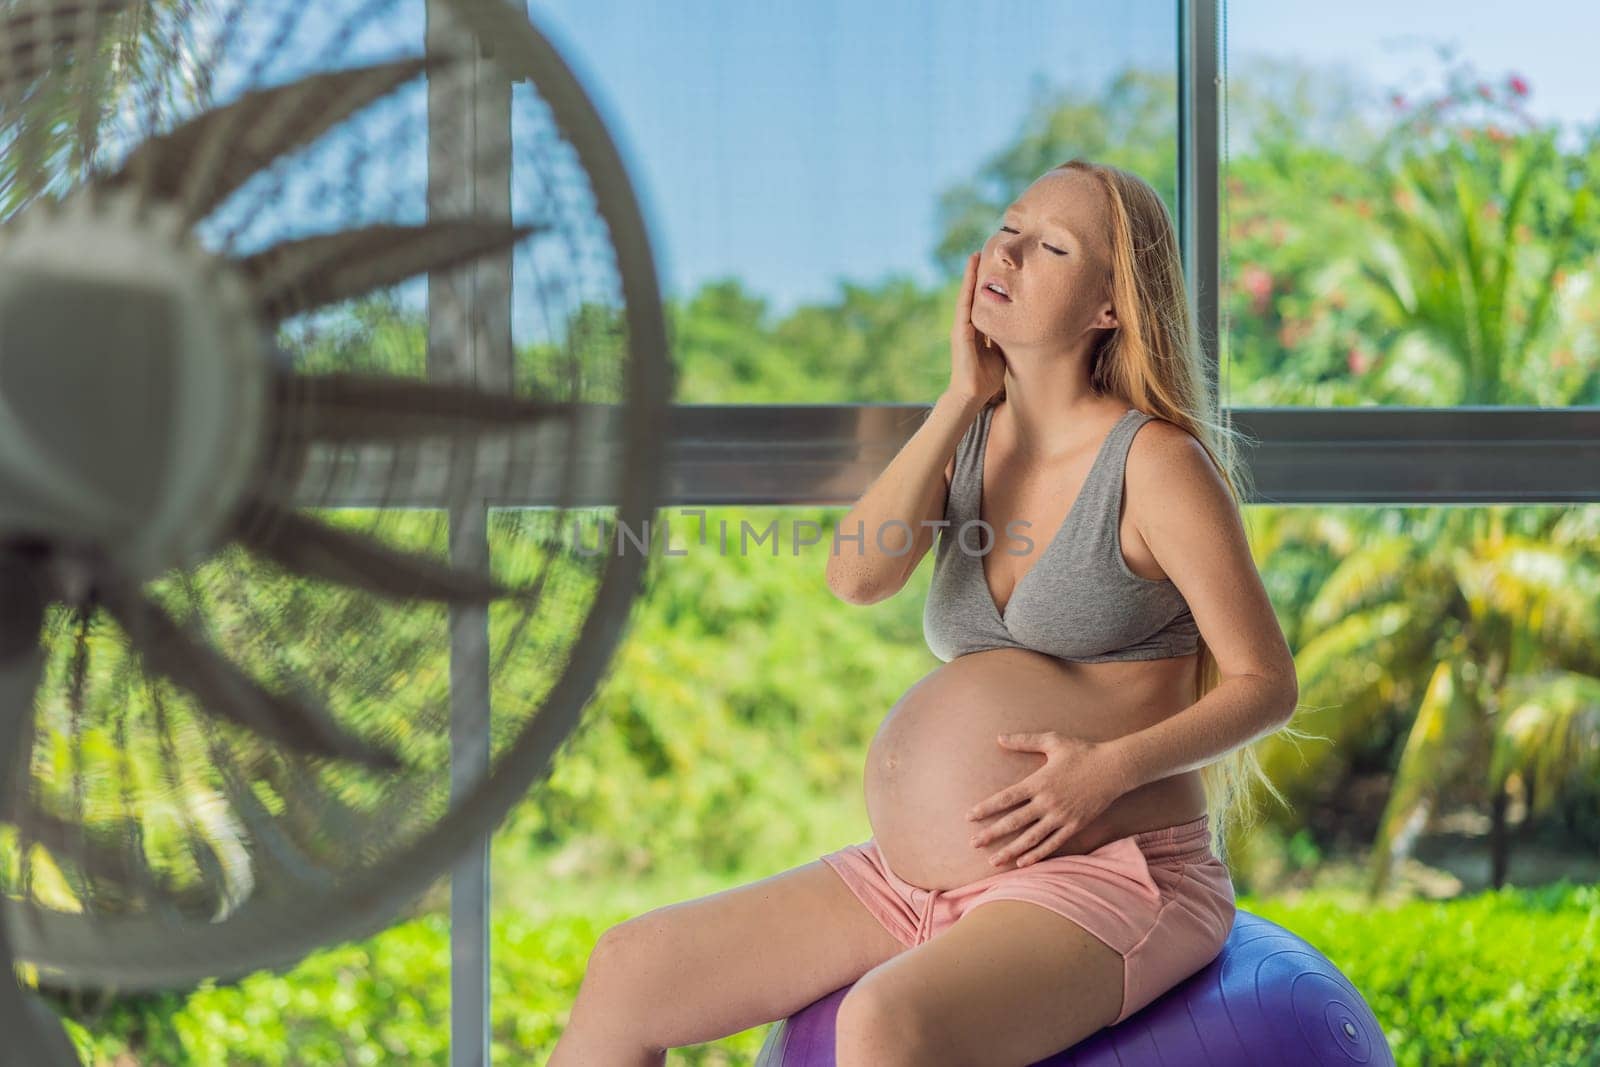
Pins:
x: 90, y: 856
x: 307, y: 547
x: 220, y: 150
x: 346, y: 407
x: 223, y: 690
x: 275, y: 846
x: 25, y: 588
x: 228, y: 880
x: 299, y: 276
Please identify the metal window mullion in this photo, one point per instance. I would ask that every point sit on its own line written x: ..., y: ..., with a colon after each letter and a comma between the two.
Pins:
x: 1199, y: 96
x: 469, y: 340
x: 826, y: 455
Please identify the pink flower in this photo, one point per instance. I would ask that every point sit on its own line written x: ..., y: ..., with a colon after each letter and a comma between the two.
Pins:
x: 1518, y: 85
x: 1398, y: 101
x: 1357, y: 360
x: 1258, y: 283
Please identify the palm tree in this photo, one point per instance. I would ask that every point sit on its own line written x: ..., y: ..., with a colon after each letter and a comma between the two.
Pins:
x: 1483, y: 617
x: 1467, y: 254
x: 1516, y: 695
x: 1481, y: 620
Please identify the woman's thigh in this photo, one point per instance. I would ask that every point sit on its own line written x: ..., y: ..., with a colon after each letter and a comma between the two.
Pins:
x: 717, y: 965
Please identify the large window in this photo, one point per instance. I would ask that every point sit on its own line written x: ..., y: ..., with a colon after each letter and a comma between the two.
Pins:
x: 1410, y: 215
x: 816, y: 174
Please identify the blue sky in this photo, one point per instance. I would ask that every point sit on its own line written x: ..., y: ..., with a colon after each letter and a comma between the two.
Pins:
x: 795, y: 146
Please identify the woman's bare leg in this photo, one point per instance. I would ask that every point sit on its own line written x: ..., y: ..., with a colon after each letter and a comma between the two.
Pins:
x: 694, y: 972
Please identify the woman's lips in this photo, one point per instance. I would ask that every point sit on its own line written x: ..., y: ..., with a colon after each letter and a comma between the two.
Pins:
x: 996, y: 297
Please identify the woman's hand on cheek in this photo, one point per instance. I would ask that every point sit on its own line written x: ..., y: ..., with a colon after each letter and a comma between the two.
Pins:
x: 1078, y: 781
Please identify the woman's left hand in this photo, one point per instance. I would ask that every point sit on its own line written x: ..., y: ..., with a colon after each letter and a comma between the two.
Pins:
x: 1078, y: 781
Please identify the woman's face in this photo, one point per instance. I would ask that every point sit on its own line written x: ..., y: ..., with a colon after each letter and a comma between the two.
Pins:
x: 1050, y: 252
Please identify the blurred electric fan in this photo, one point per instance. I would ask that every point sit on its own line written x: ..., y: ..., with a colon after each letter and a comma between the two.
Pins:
x: 292, y: 293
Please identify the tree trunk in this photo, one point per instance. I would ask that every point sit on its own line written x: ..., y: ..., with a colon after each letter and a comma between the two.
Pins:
x: 1497, y: 838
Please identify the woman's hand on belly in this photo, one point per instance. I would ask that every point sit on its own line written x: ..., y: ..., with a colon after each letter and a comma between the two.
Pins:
x: 935, y: 758
x: 1077, y: 783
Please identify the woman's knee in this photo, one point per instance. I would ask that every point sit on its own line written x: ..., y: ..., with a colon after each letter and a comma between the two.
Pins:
x: 873, y: 1027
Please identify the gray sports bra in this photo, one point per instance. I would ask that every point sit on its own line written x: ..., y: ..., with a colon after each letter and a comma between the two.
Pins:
x: 1078, y: 601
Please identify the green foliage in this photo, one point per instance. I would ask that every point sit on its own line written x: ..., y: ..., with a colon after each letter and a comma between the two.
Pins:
x: 1465, y: 633
x: 381, y: 1001
x: 715, y: 721
x: 1504, y: 977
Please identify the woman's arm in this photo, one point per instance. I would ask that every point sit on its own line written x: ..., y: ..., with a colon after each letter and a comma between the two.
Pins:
x: 910, y: 489
x: 1183, y: 510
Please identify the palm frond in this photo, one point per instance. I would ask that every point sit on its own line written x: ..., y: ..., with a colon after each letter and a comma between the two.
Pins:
x: 1552, y: 734
x: 1440, y: 748
x: 1379, y: 570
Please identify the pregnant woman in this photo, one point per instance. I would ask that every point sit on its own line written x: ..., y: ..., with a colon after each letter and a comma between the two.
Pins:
x: 1043, y: 857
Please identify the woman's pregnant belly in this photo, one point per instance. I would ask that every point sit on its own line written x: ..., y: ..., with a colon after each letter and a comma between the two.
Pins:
x: 935, y: 755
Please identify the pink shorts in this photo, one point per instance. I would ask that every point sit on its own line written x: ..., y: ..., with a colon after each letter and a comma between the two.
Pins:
x: 1161, y: 900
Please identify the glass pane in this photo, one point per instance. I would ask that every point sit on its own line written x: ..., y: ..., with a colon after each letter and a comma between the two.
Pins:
x: 815, y: 174
x: 1409, y: 205
x: 732, y: 743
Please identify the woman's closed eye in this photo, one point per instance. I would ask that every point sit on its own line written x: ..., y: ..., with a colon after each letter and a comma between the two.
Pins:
x: 1008, y: 229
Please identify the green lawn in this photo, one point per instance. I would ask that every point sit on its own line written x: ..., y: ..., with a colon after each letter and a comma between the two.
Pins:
x: 1504, y: 977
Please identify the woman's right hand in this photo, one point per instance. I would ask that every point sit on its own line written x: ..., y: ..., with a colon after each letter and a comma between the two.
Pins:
x: 975, y: 370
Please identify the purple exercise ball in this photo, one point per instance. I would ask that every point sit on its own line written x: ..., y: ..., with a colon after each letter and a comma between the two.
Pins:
x: 1268, y: 998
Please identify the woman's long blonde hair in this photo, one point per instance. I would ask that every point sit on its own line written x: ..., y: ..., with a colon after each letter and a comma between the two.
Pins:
x: 1154, y: 362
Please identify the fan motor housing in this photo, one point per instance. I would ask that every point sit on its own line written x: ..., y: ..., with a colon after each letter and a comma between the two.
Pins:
x: 133, y: 382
